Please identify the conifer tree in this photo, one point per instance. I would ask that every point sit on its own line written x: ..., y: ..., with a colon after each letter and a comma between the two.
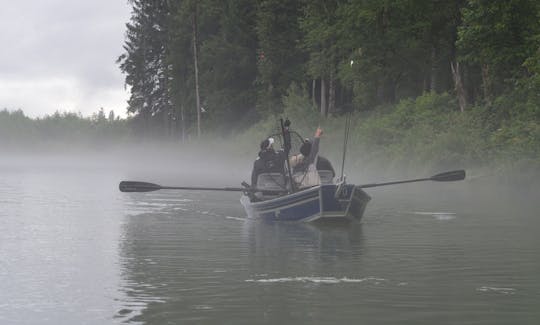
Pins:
x: 145, y: 61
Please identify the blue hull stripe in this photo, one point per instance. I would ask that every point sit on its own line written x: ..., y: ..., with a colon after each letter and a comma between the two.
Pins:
x: 293, y: 213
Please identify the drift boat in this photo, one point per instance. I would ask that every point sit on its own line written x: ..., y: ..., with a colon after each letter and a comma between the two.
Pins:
x: 280, y: 199
x: 327, y: 201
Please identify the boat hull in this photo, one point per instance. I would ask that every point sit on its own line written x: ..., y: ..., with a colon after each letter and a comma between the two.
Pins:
x: 311, y: 204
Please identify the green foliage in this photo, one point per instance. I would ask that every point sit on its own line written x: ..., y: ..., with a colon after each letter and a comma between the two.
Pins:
x: 498, y: 32
x: 228, y: 66
x: 61, y: 130
x: 14, y: 125
x: 144, y: 61
x: 387, y: 61
x: 298, y: 108
x: 499, y: 37
x: 362, y: 54
x: 279, y: 59
x: 428, y: 132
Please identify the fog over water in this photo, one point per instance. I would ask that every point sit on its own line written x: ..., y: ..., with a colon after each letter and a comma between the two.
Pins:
x: 75, y: 250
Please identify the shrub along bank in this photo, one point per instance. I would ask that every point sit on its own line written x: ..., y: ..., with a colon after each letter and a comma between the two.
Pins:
x: 425, y: 133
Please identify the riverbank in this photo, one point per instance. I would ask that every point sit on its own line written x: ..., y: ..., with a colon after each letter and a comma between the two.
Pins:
x: 428, y: 133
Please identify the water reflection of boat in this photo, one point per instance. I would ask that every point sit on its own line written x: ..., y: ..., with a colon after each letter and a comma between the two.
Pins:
x: 292, y: 249
x: 322, y: 233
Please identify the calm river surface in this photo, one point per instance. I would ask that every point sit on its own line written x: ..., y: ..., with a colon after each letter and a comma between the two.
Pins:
x: 74, y: 250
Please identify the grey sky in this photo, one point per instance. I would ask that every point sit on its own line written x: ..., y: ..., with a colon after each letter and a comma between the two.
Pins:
x: 60, y: 55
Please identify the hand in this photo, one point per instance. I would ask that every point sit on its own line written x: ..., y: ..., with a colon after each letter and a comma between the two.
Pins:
x: 318, y: 132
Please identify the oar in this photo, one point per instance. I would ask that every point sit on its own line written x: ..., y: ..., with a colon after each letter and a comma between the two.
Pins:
x: 132, y: 186
x: 455, y: 175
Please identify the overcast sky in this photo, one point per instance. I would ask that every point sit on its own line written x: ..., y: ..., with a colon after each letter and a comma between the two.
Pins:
x: 60, y: 55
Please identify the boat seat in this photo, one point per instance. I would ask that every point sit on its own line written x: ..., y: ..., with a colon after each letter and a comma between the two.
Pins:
x: 326, y: 176
x: 271, y: 182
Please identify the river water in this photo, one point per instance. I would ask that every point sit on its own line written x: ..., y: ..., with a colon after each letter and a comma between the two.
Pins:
x: 74, y: 250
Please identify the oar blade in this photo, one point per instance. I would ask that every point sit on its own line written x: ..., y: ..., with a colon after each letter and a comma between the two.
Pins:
x: 455, y: 175
x: 131, y: 186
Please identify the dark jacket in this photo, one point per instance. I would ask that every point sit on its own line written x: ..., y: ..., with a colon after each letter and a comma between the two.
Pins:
x: 325, y: 164
x: 322, y: 164
x: 269, y: 161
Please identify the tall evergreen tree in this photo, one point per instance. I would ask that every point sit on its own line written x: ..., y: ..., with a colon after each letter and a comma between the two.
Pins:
x: 145, y: 61
x: 228, y: 64
x: 280, y: 60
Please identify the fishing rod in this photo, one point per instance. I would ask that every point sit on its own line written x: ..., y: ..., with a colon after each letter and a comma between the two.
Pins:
x: 345, y: 142
x: 287, y: 148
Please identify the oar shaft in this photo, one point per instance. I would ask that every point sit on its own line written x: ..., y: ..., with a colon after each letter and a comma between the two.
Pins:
x: 135, y: 186
x: 230, y: 189
x: 393, y: 183
x: 455, y: 175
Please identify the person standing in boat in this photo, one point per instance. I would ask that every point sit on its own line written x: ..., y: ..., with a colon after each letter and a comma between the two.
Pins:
x: 303, y: 165
x: 269, y: 161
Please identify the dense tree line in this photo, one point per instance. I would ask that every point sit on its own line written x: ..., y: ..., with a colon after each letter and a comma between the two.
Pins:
x: 362, y: 55
x: 64, y: 130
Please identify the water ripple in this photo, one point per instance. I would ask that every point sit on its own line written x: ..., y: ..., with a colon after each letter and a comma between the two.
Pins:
x: 324, y: 280
x: 505, y: 291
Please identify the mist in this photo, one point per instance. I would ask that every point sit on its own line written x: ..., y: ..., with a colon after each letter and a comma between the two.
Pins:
x: 221, y: 162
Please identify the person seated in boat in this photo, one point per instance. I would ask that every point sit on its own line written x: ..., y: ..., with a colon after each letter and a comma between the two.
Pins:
x: 323, y: 164
x: 301, y: 162
x: 269, y: 161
